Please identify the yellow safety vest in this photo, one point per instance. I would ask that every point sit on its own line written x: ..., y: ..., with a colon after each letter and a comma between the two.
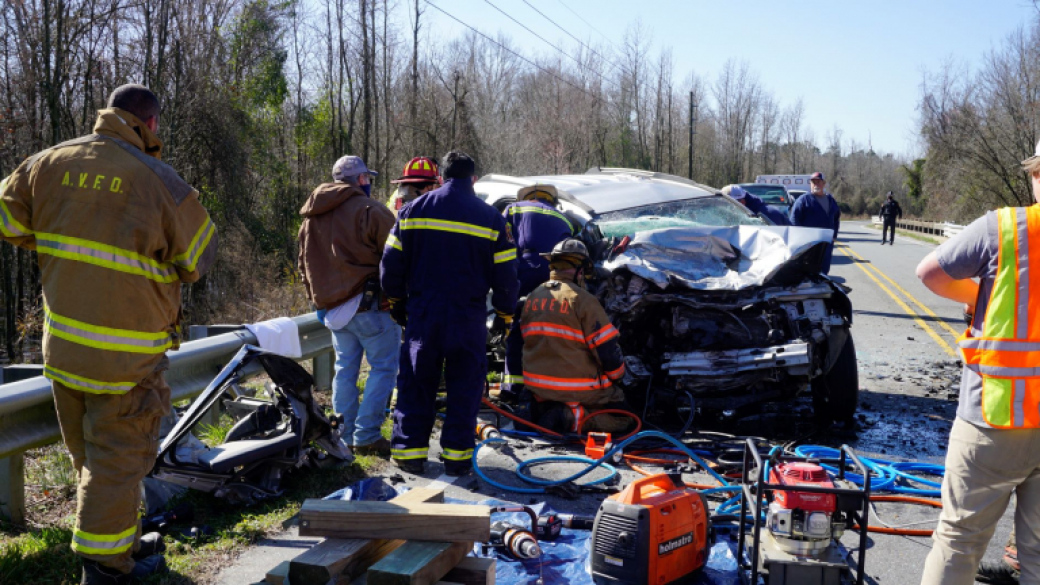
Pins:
x: 1007, y: 355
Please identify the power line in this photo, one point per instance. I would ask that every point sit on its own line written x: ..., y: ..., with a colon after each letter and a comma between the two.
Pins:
x: 525, y: 27
x: 580, y: 42
x: 587, y: 23
x: 518, y: 55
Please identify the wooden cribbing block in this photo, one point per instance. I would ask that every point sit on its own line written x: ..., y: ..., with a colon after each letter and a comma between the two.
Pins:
x: 418, y: 563
x: 473, y: 571
x: 340, y: 560
x: 396, y: 520
x: 277, y: 575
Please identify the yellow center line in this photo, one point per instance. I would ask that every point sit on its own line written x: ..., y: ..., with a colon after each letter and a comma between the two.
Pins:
x: 917, y: 318
x: 920, y: 305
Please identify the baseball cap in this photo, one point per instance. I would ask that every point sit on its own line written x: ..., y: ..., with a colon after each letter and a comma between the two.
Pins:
x: 1033, y: 159
x: 816, y: 175
x: 734, y: 192
x: 350, y: 166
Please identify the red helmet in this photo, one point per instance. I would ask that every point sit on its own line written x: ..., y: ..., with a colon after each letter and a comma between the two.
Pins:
x: 419, y: 170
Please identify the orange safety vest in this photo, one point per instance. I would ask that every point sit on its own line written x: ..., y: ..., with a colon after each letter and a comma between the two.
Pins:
x: 1007, y: 355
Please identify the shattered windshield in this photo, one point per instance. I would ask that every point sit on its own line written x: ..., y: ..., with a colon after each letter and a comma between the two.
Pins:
x: 703, y: 211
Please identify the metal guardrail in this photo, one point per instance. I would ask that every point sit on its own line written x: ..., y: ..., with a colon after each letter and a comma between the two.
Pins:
x: 28, y: 419
x: 944, y: 229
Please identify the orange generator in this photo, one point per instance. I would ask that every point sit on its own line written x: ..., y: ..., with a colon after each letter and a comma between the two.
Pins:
x: 655, y: 531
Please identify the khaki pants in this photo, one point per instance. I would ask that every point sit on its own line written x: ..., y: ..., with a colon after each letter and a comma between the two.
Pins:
x: 984, y: 467
x: 113, y: 439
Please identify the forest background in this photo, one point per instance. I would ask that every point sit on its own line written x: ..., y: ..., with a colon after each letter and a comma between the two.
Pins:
x: 260, y: 97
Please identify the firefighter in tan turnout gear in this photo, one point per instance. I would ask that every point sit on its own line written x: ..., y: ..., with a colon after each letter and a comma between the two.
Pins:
x: 117, y: 231
x: 571, y: 352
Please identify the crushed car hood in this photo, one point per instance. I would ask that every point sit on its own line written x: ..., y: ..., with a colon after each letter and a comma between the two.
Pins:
x: 716, y: 258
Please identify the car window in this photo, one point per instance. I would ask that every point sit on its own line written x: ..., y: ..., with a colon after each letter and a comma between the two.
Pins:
x: 768, y: 194
x: 710, y: 211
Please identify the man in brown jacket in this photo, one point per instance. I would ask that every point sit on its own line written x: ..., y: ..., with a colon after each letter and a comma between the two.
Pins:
x: 116, y: 232
x: 341, y: 243
x: 571, y: 352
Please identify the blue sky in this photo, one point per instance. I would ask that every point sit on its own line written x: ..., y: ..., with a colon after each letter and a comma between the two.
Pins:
x: 857, y: 65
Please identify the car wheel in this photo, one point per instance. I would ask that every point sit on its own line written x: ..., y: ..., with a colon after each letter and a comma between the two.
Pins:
x: 836, y: 393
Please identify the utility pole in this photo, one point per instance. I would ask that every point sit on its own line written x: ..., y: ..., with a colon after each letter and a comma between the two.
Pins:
x: 455, y: 110
x: 693, y: 134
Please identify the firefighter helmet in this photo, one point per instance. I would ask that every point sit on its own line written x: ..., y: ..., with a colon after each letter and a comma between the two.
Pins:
x: 546, y: 193
x: 419, y: 170
x: 571, y: 250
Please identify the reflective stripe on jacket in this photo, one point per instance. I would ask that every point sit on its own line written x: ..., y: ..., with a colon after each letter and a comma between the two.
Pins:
x: 571, y: 351
x: 116, y: 231
x: 448, y: 248
x: 1007, y: 355
x: 536, y: 227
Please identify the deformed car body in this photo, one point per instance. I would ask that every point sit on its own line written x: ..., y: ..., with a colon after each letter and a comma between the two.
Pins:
x: 718, y: 311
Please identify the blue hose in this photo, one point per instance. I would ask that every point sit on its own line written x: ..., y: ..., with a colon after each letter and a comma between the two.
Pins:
x: 591, y: 466
x: 890, y: 476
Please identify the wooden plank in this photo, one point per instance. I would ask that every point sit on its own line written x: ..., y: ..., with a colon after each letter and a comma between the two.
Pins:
x: 396, y: 520
x: 473, y: 571
x: 340, y: 560
x: 278, y: 575
x: 418, y: 563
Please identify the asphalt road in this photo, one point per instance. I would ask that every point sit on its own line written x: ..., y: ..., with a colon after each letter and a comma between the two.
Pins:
x: 909, y: 375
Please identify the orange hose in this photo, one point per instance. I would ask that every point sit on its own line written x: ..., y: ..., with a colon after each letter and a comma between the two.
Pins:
x: 902, y: 531
x: 581, y: 423
x: 639, y: 423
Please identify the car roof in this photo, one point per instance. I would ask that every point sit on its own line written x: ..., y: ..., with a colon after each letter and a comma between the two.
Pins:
x: 772, y: 186
x: 602, y: 190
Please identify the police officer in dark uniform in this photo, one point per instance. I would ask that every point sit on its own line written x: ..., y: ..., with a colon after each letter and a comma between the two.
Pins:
x: 446, y: 251
x: 890, y: 211
x: 537, y: 226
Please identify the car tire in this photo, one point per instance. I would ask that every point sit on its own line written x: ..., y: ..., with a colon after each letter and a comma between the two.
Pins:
x: 836, y: 393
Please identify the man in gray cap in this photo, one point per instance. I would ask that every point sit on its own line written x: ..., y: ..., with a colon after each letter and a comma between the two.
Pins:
x: 341, y: 243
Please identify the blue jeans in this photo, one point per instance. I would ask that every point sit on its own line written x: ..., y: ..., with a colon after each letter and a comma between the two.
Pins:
x: 374, y: 334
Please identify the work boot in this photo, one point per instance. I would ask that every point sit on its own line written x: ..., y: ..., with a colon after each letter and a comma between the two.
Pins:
x: 998, y: 573
x: 151, y: 544
x: 95, y: 573
x: 414, y: 466
x: 380, y: 448
x: 458, y: 468
x: 148, y: 566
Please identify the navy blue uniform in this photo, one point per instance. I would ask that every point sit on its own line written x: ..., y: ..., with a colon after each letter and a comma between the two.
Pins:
x: 756, y: 205
x: 537, y: 227
x: 447, y: 249
x: 807, y: 212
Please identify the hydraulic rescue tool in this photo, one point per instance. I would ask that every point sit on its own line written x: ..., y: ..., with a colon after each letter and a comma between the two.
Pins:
x: 656, y: 530
x: 550, y: 525
x: 517, y: 542
x: 797, y: 515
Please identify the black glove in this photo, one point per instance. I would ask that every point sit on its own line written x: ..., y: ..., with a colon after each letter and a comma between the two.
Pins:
x: 398, y: 312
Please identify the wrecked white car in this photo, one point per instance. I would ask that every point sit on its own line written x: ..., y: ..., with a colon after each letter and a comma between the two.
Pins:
x: 719, y: 312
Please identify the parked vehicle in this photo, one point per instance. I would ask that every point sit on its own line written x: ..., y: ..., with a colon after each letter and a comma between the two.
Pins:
x: 775, y: 195
x: 791, y: 182
x: 718, y: 312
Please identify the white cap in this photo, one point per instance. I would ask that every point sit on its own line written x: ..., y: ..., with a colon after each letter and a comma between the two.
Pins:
x: 734, y: 192
x: 1033, y: 159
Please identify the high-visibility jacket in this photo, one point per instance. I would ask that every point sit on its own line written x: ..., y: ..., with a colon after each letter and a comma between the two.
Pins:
x: 1007, y: 354
x: 116, y: 231
x: 571, y: 351
x: 536, y: 227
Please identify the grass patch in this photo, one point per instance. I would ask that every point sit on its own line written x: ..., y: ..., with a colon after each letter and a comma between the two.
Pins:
x: 41, y: 554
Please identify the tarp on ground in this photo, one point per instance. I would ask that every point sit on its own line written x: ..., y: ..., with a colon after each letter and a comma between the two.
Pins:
x: 715, y: 258
x: 565, y: 561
